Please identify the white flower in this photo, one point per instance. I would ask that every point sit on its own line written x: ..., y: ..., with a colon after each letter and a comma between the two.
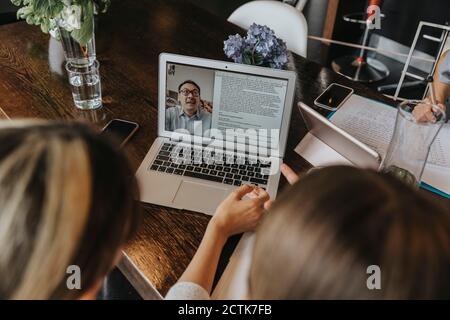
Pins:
x: 53, y: 29
x: 71, y: 17
x: 54, y: 33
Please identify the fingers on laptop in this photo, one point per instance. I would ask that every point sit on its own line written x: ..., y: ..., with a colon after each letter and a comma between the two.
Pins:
x: 289, y: 174
x: 243, y: 190
x: 261, y: 195
x: 240, y: 212
x: 268, y: 205
x: 252, y: 192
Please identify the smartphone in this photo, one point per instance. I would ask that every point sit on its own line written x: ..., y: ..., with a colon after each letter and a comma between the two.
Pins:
x: 120, y: 130
x: 333, y: 97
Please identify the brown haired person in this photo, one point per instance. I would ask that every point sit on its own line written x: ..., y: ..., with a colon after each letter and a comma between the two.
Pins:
x: 67, y: 198
x: 322, y: 236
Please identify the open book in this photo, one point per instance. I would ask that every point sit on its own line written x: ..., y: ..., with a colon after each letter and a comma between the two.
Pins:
x: 373, y: 123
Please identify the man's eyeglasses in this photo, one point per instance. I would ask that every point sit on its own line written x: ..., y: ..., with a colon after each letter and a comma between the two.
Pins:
x: 185, y: 92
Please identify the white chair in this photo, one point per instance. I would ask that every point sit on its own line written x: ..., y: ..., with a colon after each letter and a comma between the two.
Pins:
x: 288, y: 23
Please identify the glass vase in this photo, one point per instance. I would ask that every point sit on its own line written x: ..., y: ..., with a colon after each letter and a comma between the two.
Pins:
x: 74, y: 52
x: 82, y: 69
x: 416, y: 127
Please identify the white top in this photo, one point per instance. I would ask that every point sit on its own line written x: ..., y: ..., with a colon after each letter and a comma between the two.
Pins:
x: 233, y: 283
x: 187, y: 291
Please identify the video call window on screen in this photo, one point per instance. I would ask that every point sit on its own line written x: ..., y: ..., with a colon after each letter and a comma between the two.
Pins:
x: 199, y: 99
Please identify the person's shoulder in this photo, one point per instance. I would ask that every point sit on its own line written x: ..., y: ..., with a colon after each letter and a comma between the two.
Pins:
x: 187, y: 291
x: 205, y: 114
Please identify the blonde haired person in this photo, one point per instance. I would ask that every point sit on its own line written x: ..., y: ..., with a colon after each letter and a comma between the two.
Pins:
x: 322, y: 235
x: 67, y: 197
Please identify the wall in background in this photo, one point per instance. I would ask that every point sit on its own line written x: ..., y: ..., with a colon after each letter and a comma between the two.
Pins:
x: 7, y: 12
x: 222, y: 8
x: 403, y: 17
x: 7, y: 6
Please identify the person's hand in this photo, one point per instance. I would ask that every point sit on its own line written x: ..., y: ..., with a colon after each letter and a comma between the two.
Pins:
x: 237, y: 213
x: 423, y: 112
x: 291, y: 178
x: 207, y: 106
x: 289, y: 174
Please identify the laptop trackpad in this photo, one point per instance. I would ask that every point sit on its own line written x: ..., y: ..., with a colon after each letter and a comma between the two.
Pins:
x: 199, y: 197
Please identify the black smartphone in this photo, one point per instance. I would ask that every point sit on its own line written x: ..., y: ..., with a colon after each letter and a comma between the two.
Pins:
x: 333, y: 97
x: 120, y: 130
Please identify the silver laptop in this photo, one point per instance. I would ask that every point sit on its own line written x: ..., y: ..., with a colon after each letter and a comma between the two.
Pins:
x: 220, y: 125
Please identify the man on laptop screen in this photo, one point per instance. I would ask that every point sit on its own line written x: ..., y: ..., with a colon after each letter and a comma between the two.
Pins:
x: 189, y: 110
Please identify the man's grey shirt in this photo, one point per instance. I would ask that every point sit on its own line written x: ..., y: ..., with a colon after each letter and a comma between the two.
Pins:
x: 177, y: 119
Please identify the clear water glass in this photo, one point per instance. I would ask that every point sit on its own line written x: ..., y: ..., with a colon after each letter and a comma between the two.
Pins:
x: 85, y: 85
x: 416, y: 127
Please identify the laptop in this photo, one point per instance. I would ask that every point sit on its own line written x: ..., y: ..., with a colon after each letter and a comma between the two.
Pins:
x: 220, y: 125
x: 353, y: 150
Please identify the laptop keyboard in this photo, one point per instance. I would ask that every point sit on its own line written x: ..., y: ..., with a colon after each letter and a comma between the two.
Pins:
x: 203, y: 163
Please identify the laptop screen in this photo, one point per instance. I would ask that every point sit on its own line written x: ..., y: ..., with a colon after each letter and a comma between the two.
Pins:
x: 202, y: 101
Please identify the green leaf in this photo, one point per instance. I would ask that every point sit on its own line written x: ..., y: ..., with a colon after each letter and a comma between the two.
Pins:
x: 247, y: 57
x: 42, y: 12
x: 48, y: 8
x: 17, y: 2
x: 86, y: 32
x: 45, y: 26
x: 24, y: 12
x: 258, y: 59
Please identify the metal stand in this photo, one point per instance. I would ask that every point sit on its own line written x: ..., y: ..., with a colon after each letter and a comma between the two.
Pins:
x: 442, y: 40
x: 360, y: 68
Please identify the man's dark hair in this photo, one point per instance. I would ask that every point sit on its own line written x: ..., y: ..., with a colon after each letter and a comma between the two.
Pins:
x: 191, y: 82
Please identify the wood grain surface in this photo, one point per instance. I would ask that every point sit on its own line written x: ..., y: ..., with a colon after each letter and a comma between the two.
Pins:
x: 129, y: 39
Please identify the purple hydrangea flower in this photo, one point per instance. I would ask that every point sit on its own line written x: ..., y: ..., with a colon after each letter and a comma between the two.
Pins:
x: 260, y: 47
x: 234, y: 47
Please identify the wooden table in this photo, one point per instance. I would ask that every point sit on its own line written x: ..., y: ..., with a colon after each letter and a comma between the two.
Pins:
x: 129, y: 39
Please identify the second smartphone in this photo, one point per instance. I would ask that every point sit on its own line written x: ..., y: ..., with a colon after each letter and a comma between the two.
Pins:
x: 121, y: 130
x: 333, y: 97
